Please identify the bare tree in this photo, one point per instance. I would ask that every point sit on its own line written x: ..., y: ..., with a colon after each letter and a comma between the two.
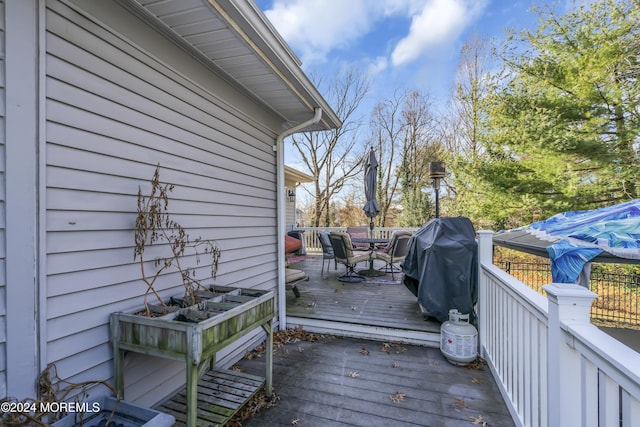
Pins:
x: 333, y: 157
x: 420, y: 146
x: 388, y: 127
x: 471, y: 89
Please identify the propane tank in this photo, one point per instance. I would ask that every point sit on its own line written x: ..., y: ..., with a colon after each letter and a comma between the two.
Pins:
x: 458, y: 339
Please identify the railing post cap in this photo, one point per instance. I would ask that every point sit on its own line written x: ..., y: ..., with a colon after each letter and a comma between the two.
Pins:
x: 485, y: 232
x: 568, y: 291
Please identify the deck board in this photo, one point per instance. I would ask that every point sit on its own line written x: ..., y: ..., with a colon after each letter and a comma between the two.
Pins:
x: 388, y: 304
x: 335, y: 382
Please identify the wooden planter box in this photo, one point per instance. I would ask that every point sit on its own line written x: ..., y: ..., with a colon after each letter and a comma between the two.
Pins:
x: 229, y: 315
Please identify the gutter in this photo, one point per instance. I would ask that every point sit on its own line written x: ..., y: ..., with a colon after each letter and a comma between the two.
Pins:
x: 280, y: 201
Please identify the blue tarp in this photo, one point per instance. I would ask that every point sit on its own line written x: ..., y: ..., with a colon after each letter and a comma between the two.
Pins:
x: 580, y: 236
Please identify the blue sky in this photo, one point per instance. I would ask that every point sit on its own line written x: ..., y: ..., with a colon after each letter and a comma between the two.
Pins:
x: 400, y: 44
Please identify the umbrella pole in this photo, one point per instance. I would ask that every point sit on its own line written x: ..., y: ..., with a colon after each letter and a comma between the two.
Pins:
x: 371, y: 208
x: 371, y: 272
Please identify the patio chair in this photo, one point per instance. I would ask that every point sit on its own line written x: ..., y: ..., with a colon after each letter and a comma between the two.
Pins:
x: 292, y: 278
x: 327, y: 251
x: 395, y: 251
x: 358, y: 232
x: 344, y: 254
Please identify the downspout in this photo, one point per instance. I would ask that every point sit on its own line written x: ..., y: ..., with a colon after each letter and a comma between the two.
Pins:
x: 280, y: 200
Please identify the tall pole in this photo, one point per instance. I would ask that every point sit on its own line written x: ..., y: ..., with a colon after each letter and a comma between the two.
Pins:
x: 436, y: 173
x: 436, y: 186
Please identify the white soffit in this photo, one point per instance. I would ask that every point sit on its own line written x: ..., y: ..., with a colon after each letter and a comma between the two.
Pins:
x: 235, y: 37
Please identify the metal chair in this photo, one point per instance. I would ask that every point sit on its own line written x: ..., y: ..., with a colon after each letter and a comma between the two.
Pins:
x: 395, y: 251
x: 344, y: 254
x: 327, y: 251
x: 358, y: 231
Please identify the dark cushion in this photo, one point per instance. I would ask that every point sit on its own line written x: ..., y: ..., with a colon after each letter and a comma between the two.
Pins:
x: 323, y: 236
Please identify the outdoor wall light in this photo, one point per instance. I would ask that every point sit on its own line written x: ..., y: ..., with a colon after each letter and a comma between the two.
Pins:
x: 291, y: 195
x: 436, y: 173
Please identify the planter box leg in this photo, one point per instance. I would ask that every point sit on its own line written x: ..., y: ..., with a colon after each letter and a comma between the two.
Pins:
x: 192, y: 394
x: 118, y: 359
x: 268, y: 328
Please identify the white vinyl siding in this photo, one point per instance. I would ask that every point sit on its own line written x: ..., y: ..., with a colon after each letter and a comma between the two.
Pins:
x: 114, y: 111
x: 3, y: 276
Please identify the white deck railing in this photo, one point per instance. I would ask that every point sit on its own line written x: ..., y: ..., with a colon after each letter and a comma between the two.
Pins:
x: 553, y: 367
x: 312, y: 244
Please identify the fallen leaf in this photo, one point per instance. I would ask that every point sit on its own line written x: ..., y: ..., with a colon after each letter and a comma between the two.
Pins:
x: 461, y: 403
x: 286, y: 336
x: 435, y: 362
x: 364, y: 351
x: 400, y: 348
x: 477, y: 364
x: 295, y: 421
x: 253, y: 407
x: 477, y: 380
x: 479, y: 421
x: 300, y: 349
x: 395, y: 347
x: 236, y: 368
x: 354, y: 308
x: 398, y: 397
x: 354, y: 374
x: 395, y: 365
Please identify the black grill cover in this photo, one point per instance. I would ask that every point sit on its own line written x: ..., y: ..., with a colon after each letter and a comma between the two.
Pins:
x: 441, y: 267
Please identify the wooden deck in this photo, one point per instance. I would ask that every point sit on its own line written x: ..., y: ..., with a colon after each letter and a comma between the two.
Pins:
x: 371, y: 374
x: 356, y: 382
x: 378, y: 308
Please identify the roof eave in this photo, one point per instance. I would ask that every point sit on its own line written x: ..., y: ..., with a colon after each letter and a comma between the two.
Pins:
x: 251, y: 24
x: 297, y: 175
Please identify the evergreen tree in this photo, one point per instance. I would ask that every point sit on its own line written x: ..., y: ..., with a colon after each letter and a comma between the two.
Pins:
x: 564, y: 123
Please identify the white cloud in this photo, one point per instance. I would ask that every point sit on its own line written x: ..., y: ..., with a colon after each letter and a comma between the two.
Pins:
x: 314, y: 28
x: 439, y: 23
x: 377, y: 66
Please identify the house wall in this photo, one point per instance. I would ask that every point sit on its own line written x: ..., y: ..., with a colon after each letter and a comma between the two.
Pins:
x: 3, y: 277
x: 114, y: 110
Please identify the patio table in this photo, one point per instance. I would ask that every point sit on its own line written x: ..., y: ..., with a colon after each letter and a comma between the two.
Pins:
x: 371, y: 272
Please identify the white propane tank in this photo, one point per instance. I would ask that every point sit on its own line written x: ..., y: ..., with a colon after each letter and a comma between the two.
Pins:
x: 458, y: 339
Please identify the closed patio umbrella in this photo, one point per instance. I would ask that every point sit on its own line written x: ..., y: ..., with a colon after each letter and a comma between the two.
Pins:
x: 371, y: 208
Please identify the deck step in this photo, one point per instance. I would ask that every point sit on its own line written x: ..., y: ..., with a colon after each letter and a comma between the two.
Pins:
x: 429, y: 338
